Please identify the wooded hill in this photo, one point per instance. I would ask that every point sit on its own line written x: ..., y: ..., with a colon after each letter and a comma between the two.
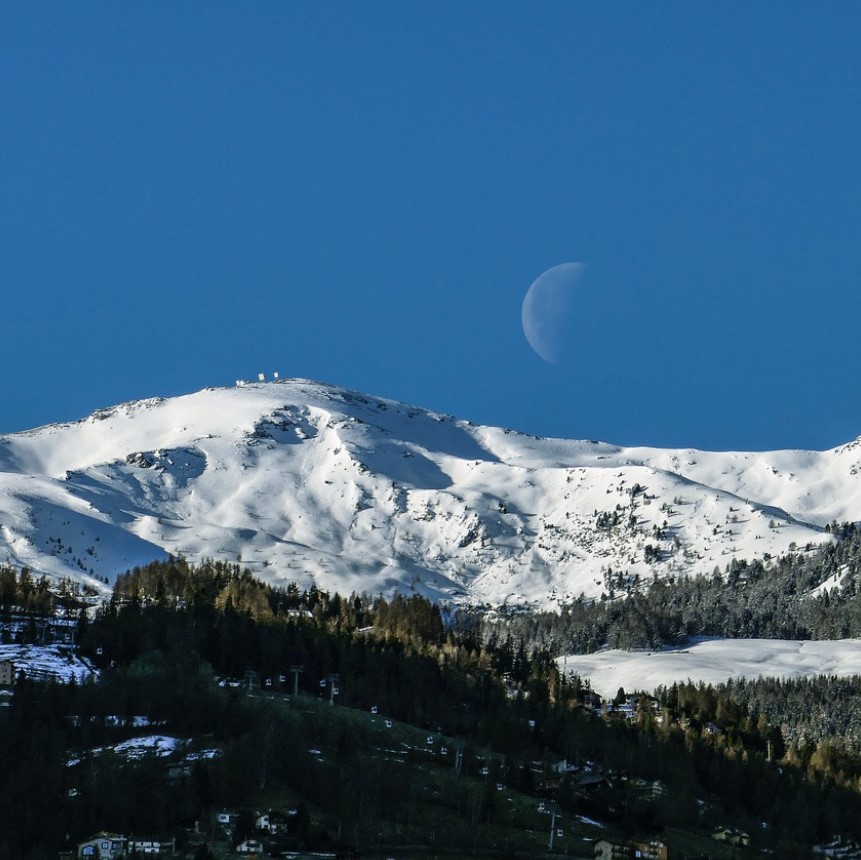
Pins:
x: 171, y: 630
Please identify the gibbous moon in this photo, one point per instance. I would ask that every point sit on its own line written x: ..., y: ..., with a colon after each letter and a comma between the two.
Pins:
x: 547, y: 309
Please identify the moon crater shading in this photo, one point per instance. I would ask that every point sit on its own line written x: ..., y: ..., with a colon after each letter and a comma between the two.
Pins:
x: 548, y: 308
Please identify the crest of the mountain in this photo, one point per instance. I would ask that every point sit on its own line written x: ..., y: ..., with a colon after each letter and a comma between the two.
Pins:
x: 301, y: 481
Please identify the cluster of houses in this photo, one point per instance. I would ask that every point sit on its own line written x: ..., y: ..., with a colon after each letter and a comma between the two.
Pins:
x: 108, y: 846
x: 112, y: 846
x: 629, y: 850
x: 590, y: 777
x: 268, y: 826
x: 633, y: 707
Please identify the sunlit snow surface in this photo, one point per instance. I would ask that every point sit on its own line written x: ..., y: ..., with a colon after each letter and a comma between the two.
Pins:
x: 51, y: 662
x: 158, y: 746
x: 302, y: 481
x: 713, y: 661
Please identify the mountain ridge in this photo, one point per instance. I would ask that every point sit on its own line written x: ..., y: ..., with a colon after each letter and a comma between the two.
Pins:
x: 306, y: 481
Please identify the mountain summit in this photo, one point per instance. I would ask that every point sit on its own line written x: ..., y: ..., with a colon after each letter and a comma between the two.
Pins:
x: 303, y: 481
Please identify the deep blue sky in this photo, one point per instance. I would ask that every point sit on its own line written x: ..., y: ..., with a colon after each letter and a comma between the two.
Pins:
x: 362, y: 193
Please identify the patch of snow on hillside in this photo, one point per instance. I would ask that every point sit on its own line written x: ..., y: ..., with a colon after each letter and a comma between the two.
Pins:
x: 833, y: 581
x: 713, y: 661
x: 157, y: 745
x: 54, y: 662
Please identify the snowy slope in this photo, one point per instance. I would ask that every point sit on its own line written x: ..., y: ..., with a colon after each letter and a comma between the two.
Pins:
x: 298, y: 480
x: 713, y: 661
x: 53, y: 662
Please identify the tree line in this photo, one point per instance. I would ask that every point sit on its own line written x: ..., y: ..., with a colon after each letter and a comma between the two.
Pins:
x: 773, y: 598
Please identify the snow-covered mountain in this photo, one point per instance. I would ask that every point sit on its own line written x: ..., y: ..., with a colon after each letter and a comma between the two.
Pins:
x: 298, y: 480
